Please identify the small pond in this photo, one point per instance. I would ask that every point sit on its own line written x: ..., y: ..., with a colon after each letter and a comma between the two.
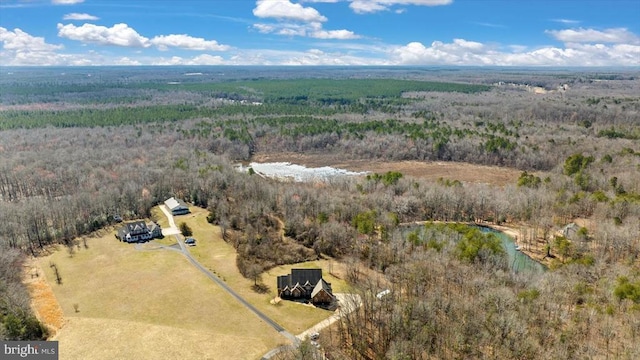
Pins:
x: 518, y: 261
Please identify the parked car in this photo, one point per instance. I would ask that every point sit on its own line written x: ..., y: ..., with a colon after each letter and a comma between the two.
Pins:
x: 314, y: 336
x: 190, y: 241
x: 117, y: 218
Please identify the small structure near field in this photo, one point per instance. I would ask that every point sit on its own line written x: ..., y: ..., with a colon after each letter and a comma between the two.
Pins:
x: 306, y: 284
x: 177, y: 206
x: 382, y: 294
x: 139, y: 231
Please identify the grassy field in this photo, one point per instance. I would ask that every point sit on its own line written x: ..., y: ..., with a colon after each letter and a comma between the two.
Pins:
x: 122, y: 303
x: 119, y: 302
x: 219, y: 257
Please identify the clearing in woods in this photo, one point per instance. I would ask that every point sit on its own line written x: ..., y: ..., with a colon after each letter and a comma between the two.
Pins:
x: 220, y: 258
x: 429, y: 170
x: 122, y: 303
x: 148, y: 303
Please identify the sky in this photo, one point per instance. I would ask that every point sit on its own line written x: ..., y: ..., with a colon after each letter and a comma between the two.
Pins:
x: 549, y: 33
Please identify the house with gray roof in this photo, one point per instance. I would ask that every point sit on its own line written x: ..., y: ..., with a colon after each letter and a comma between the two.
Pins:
x: 307, y: 285
x: 177, y: 206
x: 139, y: 231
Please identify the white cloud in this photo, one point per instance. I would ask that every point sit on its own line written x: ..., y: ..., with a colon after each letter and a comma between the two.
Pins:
x: 460, y: 52
x: 490, y: 25
x: 78, y: 16
x: 296, y: 20
x: 66, y: 2
x: 312, y: 30
x: 117, y: 35
x: 204, y: 59
x: 126, y: 61
x: 463, y: 52
x: 615, y: 35
x: 301, y: 58
x: 163, y: 42
x: 20, y: 48
x: 370, y: 6
x: 363, y: 6
x: 286, y: 10
x: 566, y: 21
x: 334, y: 34
x: 18, y: 40
x: 123, y: 35
x: 264, y: 28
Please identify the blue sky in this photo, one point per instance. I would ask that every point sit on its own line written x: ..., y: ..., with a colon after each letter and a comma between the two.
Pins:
x: 320, y: 32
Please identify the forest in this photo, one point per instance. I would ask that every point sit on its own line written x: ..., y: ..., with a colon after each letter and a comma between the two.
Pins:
x: 75, y: 150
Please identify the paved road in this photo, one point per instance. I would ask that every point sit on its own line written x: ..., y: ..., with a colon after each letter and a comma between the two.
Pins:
x: 348, y: 303
x: 223, y: 285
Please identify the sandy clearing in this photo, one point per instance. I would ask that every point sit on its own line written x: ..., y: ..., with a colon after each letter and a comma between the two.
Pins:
x: 429, y: 170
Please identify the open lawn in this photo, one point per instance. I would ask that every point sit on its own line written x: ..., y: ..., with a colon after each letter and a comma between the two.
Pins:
x: 122, y: 303
x: 219, y: 257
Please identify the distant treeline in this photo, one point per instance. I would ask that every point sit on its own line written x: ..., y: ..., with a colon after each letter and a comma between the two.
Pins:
x: 296, y: 91
x: 323, y: 90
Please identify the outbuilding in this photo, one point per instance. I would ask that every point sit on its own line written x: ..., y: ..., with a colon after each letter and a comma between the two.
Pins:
x: 177, y: 206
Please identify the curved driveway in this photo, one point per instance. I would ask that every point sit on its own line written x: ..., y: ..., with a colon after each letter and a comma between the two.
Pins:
x: 349, y: 302
x: 223, y: 285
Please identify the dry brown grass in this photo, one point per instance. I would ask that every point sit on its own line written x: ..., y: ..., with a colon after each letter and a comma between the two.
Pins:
x: 148, y: 305
x: 43, y: 300
x: 464, y: 172
x: 88, y: 338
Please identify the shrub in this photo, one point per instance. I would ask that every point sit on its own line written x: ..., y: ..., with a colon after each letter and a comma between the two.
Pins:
x: 185, y: 229
x: 627, y: 290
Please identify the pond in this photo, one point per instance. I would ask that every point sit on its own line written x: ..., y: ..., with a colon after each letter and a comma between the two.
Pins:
x: 518, y: 261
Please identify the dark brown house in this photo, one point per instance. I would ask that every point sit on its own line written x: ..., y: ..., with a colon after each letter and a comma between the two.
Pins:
x: 305, y: 284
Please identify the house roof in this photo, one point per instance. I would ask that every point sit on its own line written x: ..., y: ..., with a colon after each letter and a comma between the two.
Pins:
x: 299, y: 276
x: 135, y: 228
x: 173, y: 203
x: 303, y: 275
x: 283, y: 281
x: 321, y: 285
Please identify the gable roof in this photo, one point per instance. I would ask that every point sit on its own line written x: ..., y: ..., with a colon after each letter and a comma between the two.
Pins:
x: 303, y: 275
x: 300, y: 277
x: 136, y: 227
x: 321, y: 285
x: 173, y: 203
x: 283, y: 281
